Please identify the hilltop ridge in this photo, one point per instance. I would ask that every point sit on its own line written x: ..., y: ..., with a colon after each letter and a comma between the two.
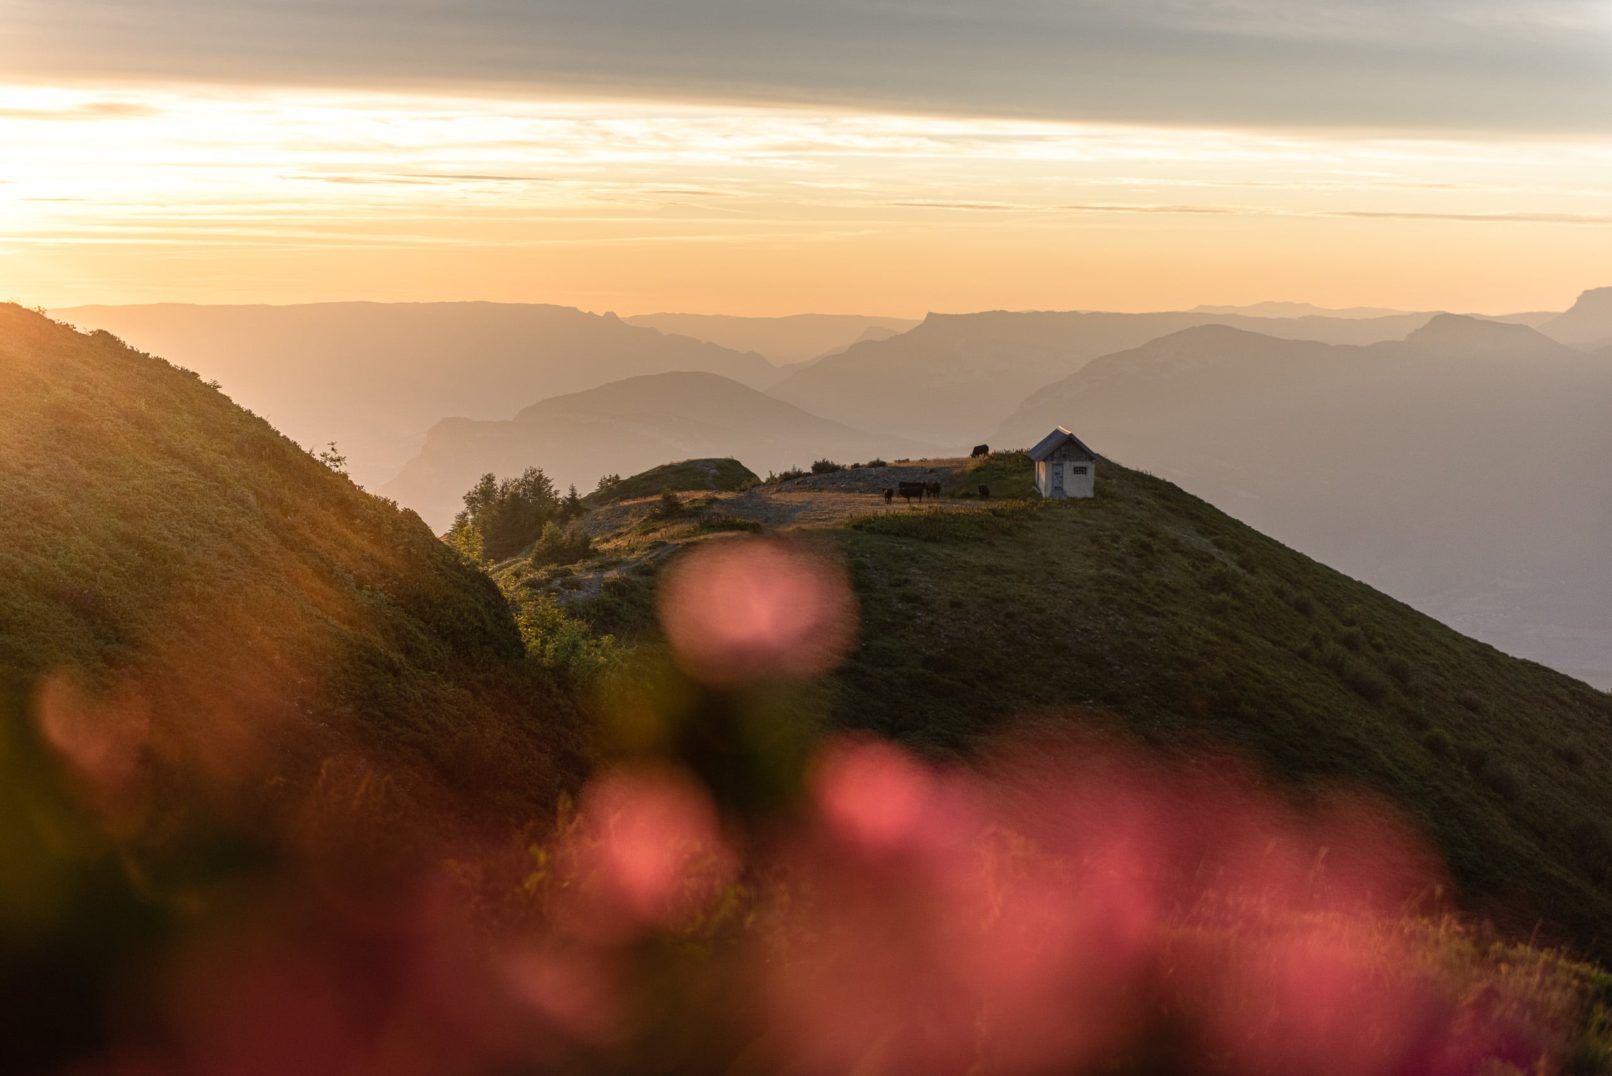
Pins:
x: 1148, y: 614
x: 1364, y: 458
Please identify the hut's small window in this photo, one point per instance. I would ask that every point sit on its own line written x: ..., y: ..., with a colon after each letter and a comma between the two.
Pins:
x: 1080, y: 470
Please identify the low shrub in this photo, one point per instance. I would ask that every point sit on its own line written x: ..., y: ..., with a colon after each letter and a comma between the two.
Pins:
x: 1221, y: 580
x: 719, y: 524
x: 1438, y: 741
x: 561, y: 643
x: 826, y: 467
x: 1502, y: 780
x: 1358, y: 677
x: 559, y: 545
x: 1572, y: 756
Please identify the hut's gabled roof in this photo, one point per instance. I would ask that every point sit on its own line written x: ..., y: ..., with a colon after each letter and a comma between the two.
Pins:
x: 1056, y: 440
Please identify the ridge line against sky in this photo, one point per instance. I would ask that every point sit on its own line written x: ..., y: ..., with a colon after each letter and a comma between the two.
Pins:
x: 174, y: 150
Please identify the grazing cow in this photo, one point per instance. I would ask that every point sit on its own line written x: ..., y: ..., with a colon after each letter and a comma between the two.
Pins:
x: 981, y: 450
x: 985, y: 493
x: 932, y: 488
x: 909, y: 490
x: 889, y: 495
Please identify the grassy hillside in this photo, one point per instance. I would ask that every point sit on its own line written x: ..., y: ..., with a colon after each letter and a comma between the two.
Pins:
x: 232, y: 686
x: 1150, y: 612
x: 167, y: 552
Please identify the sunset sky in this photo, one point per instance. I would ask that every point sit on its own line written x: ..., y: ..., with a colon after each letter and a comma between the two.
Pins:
x: 884, y: 157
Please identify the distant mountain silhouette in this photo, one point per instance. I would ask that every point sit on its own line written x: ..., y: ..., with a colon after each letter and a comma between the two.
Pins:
x: 625, y: 427
x: 1461, y: 336
x: 1300, y: 310
x: 784, y: 340
x: 951, y: 379
x: 1533, y: 319
x: 1588, y: 324
x: 1462, y: 469
x: 373, y: 376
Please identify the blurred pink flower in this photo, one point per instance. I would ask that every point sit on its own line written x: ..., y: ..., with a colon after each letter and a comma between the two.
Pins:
x: 648, y: 854
x: 755, y: 609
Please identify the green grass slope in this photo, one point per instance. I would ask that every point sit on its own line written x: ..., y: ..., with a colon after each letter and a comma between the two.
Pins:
x: 706, y: 475
x: 169, y: 553
x: 1148, y: 611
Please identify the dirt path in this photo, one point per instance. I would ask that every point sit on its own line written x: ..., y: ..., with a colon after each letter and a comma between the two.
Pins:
x: 800, y: 508
x: 812, y: 501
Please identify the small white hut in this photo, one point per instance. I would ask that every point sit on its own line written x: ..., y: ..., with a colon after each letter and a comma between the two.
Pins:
x: 1064, y: 467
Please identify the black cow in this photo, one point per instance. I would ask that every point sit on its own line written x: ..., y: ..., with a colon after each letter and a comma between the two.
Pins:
x: 985, y: 493
x: 932, y: 488
x: 889, y: 495
x: 981, y: 450
x: 909, y: 490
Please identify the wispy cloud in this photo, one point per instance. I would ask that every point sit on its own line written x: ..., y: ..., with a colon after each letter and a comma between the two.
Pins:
x: 84, y: 110
x: 1481, y: 218
x: 1515, y: 65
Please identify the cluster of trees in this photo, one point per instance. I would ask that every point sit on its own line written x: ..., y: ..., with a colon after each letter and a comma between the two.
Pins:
x: 500, y: 518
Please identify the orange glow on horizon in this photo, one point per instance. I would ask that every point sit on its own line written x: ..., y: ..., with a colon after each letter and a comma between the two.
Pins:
x: 198, y: 195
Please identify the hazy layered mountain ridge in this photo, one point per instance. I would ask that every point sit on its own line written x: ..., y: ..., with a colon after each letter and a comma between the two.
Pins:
x: 950, y: 379
x: 1533, y: 319
x: 374, y: 376
x: 624, y: 427
x: 784, y: 341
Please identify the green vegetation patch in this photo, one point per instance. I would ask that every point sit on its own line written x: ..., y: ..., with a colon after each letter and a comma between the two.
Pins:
x: 705, y: 475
